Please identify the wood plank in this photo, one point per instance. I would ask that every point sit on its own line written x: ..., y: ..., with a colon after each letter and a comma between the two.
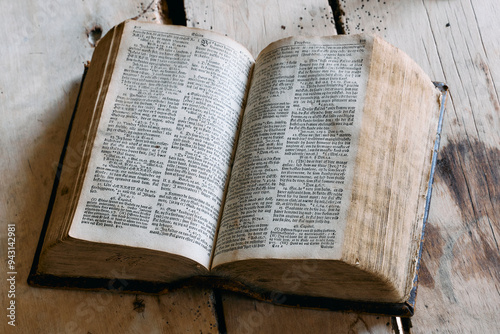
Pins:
x: 455, y: 42
x: 244, y: 315
x: 44, y: 47
x: 255, y: 24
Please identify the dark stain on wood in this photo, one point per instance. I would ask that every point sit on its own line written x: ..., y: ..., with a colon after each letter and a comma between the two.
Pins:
x: 434, y: 243
x: 139, y: 305
x: 489, y: 85
x: 424, y: 276
x: 471, y: 172
x: 449, y: 171
x: 434, y: 246
x: 483, y: 260
x: 64, y: 190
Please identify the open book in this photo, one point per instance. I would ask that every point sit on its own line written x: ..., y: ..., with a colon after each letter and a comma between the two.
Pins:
x: 303, y: 172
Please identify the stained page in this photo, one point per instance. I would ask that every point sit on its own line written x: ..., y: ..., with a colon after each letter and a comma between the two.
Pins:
x: 290, y: 187
x: 162, y: 153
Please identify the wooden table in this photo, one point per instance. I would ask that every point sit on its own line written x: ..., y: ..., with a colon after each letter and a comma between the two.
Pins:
x: 44, y: 46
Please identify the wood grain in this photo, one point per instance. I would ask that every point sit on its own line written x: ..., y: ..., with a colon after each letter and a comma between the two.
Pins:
x: 455, y: 42
x: 44, y: 47
x: 245, y: 315
x: 257, y: 23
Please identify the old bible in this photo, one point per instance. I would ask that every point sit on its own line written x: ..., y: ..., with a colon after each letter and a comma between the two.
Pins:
x: 303, y: 173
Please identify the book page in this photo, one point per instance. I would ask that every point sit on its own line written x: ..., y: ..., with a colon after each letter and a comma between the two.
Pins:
x: 290, y: 187
x: 163, y: 149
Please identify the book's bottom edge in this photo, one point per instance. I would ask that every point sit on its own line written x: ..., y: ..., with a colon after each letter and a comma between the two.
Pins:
x: 122, y: 285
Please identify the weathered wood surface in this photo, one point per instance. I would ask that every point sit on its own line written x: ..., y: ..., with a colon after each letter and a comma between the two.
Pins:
x: 43, y: 48
x: 257, y: 23
x: 244, y: 315
x: 44, y: 45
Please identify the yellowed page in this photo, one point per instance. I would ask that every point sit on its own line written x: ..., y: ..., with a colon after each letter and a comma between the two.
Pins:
x: 291, y: 183
x: 161, y: 157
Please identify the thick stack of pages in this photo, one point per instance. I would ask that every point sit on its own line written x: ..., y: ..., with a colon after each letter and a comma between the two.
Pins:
x: 300, y: 177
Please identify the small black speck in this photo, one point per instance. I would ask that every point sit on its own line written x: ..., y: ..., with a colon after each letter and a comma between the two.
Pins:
x: 139, y: 305
x: 283, y: 27
x: 448, y: 24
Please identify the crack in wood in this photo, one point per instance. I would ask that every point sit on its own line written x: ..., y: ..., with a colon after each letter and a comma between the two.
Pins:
x: 338, y: 13
x: 176, y: 11
x: 468, y: 169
